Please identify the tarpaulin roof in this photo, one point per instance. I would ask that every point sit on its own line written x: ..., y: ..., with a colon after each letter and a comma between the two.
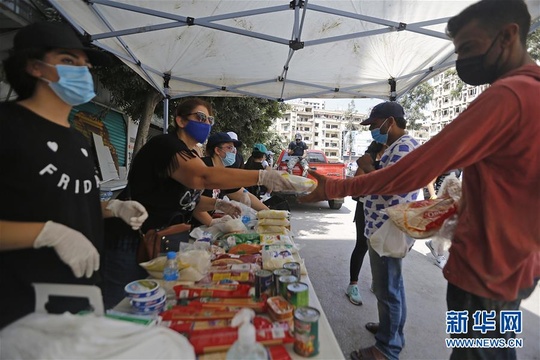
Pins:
x: 275, y: 49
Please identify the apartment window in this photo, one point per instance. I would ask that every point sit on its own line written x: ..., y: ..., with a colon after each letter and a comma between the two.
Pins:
x: 445, y: 112
x: 316, y: 134
x: 472, y: 91
x: 316, y: 143
x: 446, y: 99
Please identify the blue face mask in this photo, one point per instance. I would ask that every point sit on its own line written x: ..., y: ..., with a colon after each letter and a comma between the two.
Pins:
x: 75, y: 86
x: 198, y: 130
x: 229, y: 159
x: 377, y: 136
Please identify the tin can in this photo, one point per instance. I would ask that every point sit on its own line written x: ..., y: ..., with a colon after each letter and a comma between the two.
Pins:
x: 294, y: 267
x: 306, y: 331
x: 277, y: 274
x: 264, y: 283
x: 283, y: 282
x: 298, y: 294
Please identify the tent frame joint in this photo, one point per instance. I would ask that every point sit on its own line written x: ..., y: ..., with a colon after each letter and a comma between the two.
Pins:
x: 190, y: 20
x: 292, y: 4
x: 296, y: 45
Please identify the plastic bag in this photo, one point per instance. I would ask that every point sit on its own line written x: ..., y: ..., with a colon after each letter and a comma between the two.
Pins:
x: 422, y: 219
x: 390, y: 241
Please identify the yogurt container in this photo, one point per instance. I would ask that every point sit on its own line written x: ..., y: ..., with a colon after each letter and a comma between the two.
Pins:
x: 141, y: 288
x: 145, y: 302
x: 150, y: 309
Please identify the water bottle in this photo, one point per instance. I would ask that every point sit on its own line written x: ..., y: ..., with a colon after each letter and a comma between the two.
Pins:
x: 170, y: 275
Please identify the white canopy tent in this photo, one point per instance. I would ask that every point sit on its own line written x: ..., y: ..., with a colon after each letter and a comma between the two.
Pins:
x: 276, y: 49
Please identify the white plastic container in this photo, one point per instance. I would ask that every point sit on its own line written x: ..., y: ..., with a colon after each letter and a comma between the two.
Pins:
x: 246, y: 347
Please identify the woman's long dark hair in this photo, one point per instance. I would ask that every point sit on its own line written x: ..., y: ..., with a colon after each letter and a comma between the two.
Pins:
x: 15, y: 67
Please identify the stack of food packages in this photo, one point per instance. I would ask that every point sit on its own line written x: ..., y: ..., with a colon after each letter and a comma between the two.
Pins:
x: 259, y: 270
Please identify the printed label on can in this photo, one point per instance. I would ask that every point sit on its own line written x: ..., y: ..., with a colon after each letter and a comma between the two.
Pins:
x: 306, y: 331
x: 264, y: 283
x: 298, y: 294
x: 283, y: 282
x: 294, y: 267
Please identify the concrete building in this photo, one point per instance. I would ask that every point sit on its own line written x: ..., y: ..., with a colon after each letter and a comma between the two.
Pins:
x: 321, y: 129
x: 451, y: 96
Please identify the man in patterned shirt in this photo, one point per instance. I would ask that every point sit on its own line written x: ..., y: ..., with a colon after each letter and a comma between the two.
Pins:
x: 387, y: 125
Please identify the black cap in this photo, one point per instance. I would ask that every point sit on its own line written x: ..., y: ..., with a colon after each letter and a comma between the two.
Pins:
x: 220, y: 138
x: 384, y: 110
x: 42, y: 35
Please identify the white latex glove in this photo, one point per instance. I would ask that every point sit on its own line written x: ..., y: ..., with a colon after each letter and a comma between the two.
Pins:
x: 273, y: 180
x: 228, y: 208
x: 72, y: 247
x: 132, y: 212
x: 245, y: 198
x: 220, y: 220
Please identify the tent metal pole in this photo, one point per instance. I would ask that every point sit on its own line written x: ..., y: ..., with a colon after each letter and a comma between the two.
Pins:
x: 165, y: 114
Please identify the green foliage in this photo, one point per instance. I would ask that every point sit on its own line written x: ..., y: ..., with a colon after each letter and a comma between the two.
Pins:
x: 533, y: 44
x: 128, y: 90
x: 249, y: 117
x: 455, y: 93
x: 414, y: 103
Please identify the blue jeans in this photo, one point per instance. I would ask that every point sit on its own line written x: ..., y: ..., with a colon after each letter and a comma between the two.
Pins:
x: 119, y: 267
x: 390, y: 293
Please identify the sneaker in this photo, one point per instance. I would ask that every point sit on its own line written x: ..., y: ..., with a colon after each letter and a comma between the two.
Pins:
x: 429, y: 244
x: 440, y: 261
x: 353, y: 294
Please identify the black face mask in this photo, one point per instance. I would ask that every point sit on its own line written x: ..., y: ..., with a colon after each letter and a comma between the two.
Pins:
x: 473, y: 71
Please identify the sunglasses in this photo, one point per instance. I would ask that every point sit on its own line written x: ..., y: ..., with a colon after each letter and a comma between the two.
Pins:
x: 202, y: 117
x: 230, y: 148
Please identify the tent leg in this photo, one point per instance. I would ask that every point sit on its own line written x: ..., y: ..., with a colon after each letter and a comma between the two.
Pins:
x: 165, y: 114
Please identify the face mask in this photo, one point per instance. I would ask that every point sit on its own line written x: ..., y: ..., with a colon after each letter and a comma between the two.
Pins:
x: 473, y: 71
x: 229, y: 159
x: 198, y: 130
x: 377, y: 136
x: 75, y: 86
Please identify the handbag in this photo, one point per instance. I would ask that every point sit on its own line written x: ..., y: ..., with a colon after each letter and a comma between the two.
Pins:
x: 390, y: 241
x: 157, y: 242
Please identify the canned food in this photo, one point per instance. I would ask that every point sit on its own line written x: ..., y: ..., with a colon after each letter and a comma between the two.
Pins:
x: 298, y: 294
x: 306, y: 331
x: 294, y: 267
x: 277, y: 274
x: 264, y: 283
x: 283, y: 282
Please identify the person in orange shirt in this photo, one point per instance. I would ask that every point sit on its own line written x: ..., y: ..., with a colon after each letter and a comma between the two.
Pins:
x: 494, y: 259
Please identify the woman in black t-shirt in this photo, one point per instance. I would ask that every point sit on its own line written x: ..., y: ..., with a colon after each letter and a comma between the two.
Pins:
x: 168, y: 177
x: 51, y: 219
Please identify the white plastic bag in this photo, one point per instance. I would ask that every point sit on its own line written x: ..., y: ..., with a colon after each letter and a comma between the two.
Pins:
x: 69, y: 336
x: 389, y: 241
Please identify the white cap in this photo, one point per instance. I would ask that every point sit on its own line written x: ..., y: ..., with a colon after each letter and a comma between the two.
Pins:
x: 233, y: 135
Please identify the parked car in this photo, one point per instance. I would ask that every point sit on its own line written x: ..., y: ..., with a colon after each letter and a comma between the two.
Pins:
x: 317, y: 161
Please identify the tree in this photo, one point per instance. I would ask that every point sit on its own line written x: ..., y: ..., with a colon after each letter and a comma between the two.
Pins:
x: 249, y: 117
x: 131, y: 94
x: 350, y: 126
x: 533, y: 44
x: 414, y: 103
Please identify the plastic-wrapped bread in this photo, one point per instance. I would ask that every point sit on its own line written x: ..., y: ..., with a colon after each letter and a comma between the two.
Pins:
x: 301, y: 184
x: 278, y: 222
x: 422, y: 219
x: 273, y: 214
